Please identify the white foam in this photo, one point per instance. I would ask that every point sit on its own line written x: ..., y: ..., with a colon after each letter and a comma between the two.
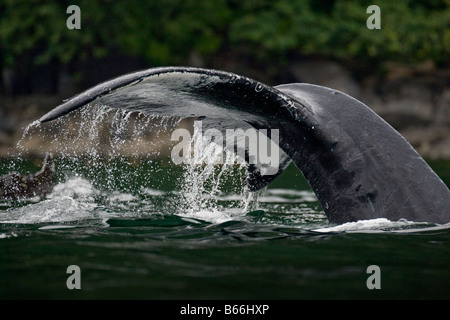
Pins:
x: 7, y: 236
x: 153, y: 192
x: 76, y: 187
x: 69, y: 201
x: 117, y: 196
x: 56, y: 227
x: 287, y: 195
x: 371, y: 225
x: 213, y: 216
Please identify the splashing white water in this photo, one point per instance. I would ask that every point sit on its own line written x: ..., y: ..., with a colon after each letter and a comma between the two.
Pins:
x: 70, y: 201
x: 99, y: 132
x: 381, y: 225
x: 201, y: 186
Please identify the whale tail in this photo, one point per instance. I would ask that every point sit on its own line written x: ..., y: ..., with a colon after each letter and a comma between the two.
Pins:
x: 357, y: 164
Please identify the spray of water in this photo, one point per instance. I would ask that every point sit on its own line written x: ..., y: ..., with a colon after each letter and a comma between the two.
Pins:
x: 203, y: 181
x: 96, y: 142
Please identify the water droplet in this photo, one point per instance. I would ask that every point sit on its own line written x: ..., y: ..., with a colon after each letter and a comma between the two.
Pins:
x: 258, y: 87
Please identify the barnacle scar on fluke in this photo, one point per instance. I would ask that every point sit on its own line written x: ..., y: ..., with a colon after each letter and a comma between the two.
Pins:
x: 356, y: 163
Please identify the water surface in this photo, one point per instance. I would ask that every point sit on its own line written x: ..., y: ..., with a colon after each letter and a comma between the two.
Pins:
x: 139, y: 236
x: 142, y: 228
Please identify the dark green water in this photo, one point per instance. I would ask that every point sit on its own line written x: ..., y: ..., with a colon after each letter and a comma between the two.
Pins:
x: 133, y: 234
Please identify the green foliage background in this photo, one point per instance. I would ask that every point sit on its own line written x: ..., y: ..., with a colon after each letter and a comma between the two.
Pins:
x: 165, y: 31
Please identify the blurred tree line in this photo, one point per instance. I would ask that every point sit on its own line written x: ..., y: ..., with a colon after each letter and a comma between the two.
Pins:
x: 33, y: 33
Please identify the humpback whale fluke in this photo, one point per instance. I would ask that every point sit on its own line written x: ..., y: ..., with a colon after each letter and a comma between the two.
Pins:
x: 356, y: 163
x: 17, y: 186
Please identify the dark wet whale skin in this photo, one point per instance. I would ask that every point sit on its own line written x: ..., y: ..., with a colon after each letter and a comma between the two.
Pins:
x: 358, y: 165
